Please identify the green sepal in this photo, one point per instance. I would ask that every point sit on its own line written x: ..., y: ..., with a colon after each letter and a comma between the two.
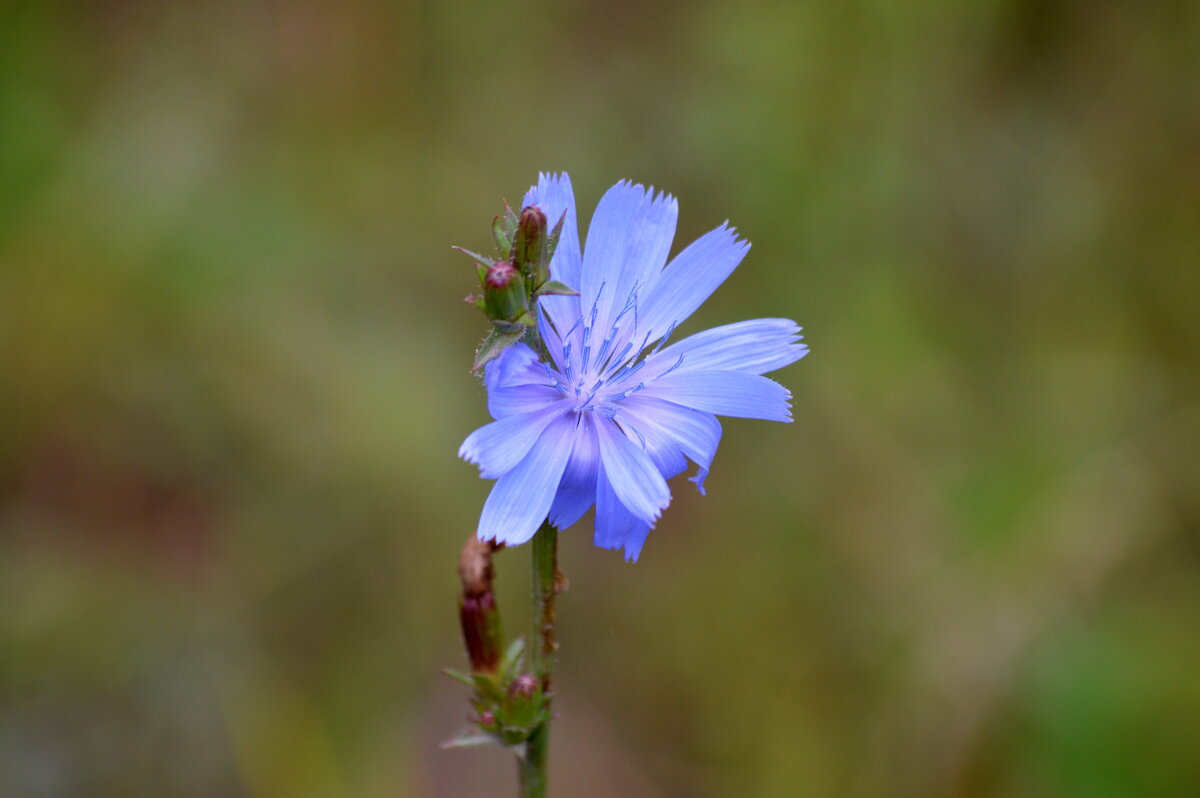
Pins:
x: 482, y: 262
x: 552, y: 239
x: 468, y: 737
x: 501, y: 233
x: 525, y: 713
x: 459, y: 676
x: 514, y: 736
x: 518, y: 327
x: 504, y: 230
x: 496, y: 342
x: 483, y: 259
x: 487, y: 687
x: 512, y: 655
x: 555, y: 288
x: 516, y: 730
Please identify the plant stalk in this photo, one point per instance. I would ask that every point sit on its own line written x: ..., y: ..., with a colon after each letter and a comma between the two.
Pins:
x: 532, y: 767
x: 543, y: 647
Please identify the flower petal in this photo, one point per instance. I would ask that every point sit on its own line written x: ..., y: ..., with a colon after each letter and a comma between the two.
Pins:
x: 726, y: 393
x: 690, y: 278
x: 521, y: 499
x: 664, y: 452
x: 554, y: 195
x: 634, y: 478
x: 662, y: 449
x: 577, y: 491
x: 550, y: 331
x: 755, y: 347
x: 517, y: 383
x: 616, y: 527
x: 628, y: 241
x: 695, y: 433
x: 498, y: 447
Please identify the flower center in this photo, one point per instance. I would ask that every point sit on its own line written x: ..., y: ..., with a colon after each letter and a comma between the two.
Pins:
x: 597, y: 377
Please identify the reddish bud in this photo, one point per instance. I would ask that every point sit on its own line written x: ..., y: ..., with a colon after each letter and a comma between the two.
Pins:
x: 480, y: 622
x: 500, y: 274
x: 525, y: 686
x: 477, y: 611
x: 530, y: 249
x: 503, y: 292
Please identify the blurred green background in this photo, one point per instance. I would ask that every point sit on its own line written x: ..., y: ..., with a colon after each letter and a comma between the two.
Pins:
x: 235, y: 377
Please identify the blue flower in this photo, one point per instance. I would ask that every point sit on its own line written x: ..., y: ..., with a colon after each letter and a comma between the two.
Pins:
x: 618, y: 410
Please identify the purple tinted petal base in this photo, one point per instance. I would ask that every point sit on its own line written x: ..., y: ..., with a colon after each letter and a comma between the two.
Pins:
x: 577, y: 491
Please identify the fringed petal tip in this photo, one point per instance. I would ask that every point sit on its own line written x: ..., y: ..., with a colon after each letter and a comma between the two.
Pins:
x: 515, y: 538
x: 549, y: 177
x: 631, y: 547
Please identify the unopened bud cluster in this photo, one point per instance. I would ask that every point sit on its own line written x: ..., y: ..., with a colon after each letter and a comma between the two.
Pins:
x: 508, y: 701
x: 511, y: 283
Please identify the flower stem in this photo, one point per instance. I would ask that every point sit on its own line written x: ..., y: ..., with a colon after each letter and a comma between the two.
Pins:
x: 543, y: 647
x: 532, y: 767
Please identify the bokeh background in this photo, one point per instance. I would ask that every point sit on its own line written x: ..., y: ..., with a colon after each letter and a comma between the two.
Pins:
x: 235, y: 375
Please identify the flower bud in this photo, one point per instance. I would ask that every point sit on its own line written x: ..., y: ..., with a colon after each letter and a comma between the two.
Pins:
x: 531, y: 246
x: 503, y: 291
x: 524, y: 686
x: 477, y: 610
x: 480, y: 621
x: 525, y: 706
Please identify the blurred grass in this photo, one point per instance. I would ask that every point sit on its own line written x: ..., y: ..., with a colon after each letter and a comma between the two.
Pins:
x: 235, y: 378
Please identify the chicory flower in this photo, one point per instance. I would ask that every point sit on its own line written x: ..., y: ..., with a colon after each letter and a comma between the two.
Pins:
x: 614, y: 409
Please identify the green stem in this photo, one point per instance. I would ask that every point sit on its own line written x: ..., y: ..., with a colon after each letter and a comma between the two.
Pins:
x: 545, y: 563
x: 543, y: 648
x: 532, y: 767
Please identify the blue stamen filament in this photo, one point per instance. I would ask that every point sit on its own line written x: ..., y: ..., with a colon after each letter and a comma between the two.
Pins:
x: 604, y: 345
x: 607, y: 365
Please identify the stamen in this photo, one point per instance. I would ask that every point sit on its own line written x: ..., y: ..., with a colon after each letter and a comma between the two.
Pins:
x: 638, y: 433
x: 630, y: 367
x: 553, y: 379
x: 645, y: 341
x: 604, y: 345
x: 663, y: 340
x: 627, y: 371
x: 616, y: 397
x: 542, y: 314
x: 635, y: 301
x: 596, y: 303
x: 574, y: 327
x: 630, y: 304
x: 621, y: 357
